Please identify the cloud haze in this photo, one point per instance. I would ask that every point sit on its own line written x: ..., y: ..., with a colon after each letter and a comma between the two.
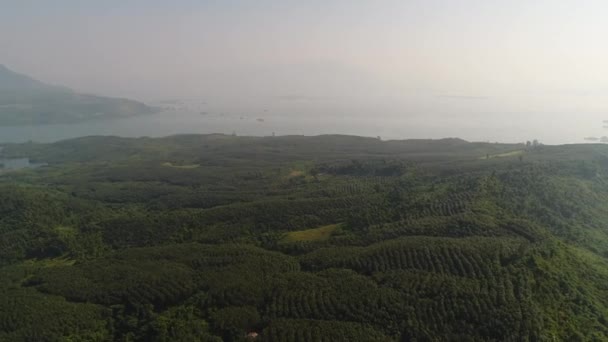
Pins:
x: 545, y: 59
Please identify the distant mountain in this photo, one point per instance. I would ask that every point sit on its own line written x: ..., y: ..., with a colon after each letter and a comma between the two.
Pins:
x: 27, y: 101
x: 12, y: 81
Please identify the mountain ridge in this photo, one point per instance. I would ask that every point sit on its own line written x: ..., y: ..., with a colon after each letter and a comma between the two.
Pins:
x: 12, y: 80
x: 28, y: 101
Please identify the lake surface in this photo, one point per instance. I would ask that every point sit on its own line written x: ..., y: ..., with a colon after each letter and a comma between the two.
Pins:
x: 393, y: 126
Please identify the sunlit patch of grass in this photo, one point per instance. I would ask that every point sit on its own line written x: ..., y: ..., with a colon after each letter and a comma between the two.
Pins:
x: 64, y: 230
x: 315, y: 234
x: 50, y: 262
x: 296, y: 173
x: 186, y: 167
x: 504, y: 155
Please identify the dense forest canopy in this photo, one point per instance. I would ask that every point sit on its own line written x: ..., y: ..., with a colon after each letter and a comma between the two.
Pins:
x: 328, y: 238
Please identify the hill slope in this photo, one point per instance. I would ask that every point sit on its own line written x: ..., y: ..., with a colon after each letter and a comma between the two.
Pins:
x: 25, y: 101
x: 209, y: 238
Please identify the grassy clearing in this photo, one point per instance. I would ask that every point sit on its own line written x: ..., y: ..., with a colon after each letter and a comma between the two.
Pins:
x: 315, y: 234
x: 296, y: 173
x: 65, y: 231
x: 186, y: 167
x: 50, y: 262
x: 504, y: 155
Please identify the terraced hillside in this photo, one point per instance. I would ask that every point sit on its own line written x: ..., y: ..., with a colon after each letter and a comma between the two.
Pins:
x: 329, y: 238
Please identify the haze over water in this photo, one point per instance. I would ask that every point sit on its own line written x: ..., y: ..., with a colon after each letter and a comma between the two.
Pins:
x: 315, y: 121
x: 480, y: 70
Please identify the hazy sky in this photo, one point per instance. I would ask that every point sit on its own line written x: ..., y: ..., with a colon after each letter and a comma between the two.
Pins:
x: 521, y: 57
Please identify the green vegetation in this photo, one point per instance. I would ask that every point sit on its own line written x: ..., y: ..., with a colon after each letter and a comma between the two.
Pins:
x: 332, y: 238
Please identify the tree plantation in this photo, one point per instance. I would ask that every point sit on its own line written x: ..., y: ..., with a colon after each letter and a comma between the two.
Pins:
x: 298, y: 239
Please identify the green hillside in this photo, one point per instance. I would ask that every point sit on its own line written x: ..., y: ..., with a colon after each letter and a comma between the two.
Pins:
x: 328, y: 238
x: 25, y: 101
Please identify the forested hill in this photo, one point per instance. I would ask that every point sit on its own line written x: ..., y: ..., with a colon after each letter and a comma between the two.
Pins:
x: 26, y: 101
x: 328, y: 238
